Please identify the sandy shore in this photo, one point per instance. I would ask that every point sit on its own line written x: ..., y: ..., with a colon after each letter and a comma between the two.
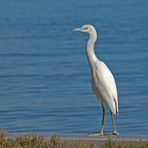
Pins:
x: 104, y: 138
x: 74, y: 137
x: 68, y: 141
x: 99, y: 141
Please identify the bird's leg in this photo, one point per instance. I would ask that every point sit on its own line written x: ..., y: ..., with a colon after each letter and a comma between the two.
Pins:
x: 113, y: 123
x: 103, y: 116
x: 101, y: 133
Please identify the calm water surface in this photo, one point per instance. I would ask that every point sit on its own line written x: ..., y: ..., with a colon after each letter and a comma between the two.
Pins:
x: 44, y: 74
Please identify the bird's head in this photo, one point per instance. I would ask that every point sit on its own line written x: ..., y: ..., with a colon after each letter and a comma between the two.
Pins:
x: 85, y: 28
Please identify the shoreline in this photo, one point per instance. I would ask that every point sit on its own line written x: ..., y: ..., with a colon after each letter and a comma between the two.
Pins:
x: 119, y: 137
x: 67, y: 141
x: 76, y: 137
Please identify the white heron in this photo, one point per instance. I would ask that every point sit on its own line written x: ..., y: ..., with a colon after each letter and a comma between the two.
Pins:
x: 103, y: 82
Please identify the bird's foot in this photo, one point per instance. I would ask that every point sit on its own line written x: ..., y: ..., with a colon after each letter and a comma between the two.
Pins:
x: 105, y: 134
x: 115, y: 133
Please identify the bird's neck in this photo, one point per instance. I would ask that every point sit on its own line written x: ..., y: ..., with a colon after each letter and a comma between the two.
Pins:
x: 90, y: 49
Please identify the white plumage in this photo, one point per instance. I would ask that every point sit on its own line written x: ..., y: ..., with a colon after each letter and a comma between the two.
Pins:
x: 104, y: 86
x: 103, y: 82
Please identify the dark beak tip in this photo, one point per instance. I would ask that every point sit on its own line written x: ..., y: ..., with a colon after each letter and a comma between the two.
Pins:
x: 71, y: 30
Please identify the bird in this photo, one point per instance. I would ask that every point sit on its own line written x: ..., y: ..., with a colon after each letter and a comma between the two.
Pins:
x: 102, y: 80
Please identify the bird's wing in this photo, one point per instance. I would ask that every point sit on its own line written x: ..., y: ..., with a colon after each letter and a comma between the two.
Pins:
x: 105, y: 85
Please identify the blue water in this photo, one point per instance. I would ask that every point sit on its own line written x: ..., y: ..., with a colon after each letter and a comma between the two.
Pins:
x: 44, y: 74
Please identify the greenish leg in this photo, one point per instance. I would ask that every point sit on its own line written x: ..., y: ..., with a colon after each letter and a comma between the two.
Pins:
x: 101, y: 133
x: 103, y: 117
x: 113, y: 123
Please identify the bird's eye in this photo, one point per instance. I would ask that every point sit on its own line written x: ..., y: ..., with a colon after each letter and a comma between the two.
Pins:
x: 86, y: 28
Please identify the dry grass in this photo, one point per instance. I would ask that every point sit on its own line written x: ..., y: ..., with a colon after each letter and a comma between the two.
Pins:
x: 36, y: 141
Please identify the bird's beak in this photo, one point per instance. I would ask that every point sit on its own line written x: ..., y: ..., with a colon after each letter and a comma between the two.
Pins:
x: 76, y: 30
